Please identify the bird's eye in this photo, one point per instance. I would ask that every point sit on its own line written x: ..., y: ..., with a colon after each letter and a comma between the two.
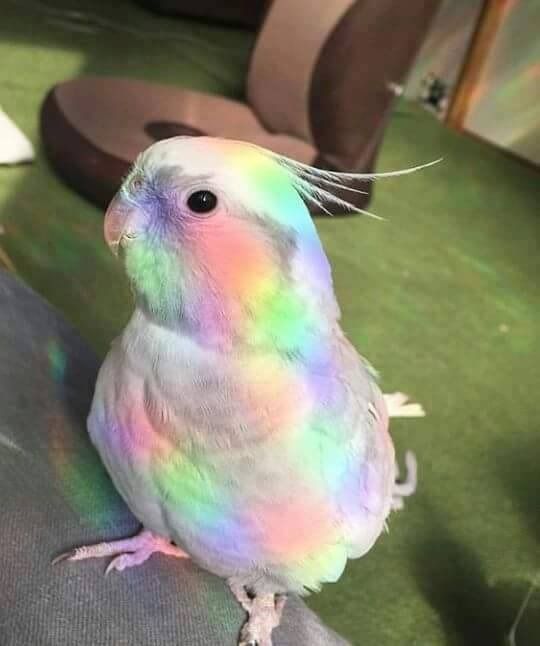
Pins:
x: 202, y: 202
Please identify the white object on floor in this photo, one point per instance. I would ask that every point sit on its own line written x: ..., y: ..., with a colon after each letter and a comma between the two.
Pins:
x: 14, y: 145
x: 398, y: 405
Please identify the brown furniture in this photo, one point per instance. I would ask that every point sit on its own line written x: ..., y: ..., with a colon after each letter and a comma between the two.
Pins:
x: 244, y: 13
x: 317, y: 91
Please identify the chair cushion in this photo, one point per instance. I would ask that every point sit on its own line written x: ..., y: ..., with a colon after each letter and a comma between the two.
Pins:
x: 93, y: 128
x: 55, y: 494
x: 282, y: 63
x: 333, y: 62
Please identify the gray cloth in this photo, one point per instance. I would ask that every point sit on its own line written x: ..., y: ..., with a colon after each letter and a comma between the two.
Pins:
x: 54, y: 494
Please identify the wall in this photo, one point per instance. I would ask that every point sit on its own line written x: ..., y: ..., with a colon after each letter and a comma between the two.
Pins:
x: 505, y: 105
x: 446, y: 44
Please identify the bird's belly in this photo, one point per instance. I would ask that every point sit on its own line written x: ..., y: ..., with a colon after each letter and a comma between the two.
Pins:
x: 229, y: 511
x: 250, y: 498
x: 194, y: 502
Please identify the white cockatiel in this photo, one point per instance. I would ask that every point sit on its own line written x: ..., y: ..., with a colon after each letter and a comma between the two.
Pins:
x: 233, y: 415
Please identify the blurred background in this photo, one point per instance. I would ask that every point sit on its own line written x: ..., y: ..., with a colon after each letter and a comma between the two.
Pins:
x: 442, y: 297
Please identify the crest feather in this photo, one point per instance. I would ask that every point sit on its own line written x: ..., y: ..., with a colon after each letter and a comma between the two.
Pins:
x: 315, y: 184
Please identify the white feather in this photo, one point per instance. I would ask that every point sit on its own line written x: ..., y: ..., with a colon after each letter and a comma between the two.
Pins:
x: 307, y: 180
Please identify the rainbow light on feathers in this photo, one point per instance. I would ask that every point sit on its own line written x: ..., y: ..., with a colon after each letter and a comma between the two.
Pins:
x: 286, y: 374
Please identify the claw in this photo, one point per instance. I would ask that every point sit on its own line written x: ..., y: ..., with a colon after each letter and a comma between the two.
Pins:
x: 280, y: 601
x: 110, y: 567
x: 407, y: 487
x: 65, y: 556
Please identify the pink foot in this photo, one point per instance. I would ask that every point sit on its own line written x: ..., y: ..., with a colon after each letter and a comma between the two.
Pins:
x: 264, y: 614
x: 127, y: 552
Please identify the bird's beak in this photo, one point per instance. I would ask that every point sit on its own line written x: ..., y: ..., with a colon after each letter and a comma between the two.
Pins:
x: 120, y: 219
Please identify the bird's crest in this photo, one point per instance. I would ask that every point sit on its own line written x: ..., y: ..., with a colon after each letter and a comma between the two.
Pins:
x: 315, y: 184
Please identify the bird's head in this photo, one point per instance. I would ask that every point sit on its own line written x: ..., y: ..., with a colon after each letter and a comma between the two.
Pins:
x: 216, y: 239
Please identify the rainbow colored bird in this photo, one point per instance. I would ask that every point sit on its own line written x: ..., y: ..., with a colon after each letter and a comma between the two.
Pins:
x: 233, y: 415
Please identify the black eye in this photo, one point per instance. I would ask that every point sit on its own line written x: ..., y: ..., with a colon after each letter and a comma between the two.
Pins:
x: 202, y: 202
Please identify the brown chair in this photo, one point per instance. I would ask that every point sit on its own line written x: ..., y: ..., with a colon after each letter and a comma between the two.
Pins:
x: 317, y: 91
x: 244, y: 13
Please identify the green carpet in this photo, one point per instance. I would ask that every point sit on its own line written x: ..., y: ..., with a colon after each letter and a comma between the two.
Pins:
x: 442, y: 297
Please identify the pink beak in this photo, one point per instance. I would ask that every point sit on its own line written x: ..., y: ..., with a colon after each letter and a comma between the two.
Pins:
x: 116, y: 223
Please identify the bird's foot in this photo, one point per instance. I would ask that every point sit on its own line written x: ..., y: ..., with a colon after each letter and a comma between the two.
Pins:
x: 128, y: 552
x: 398, y: 405
x: 405, y: 488
x: 264, y: 614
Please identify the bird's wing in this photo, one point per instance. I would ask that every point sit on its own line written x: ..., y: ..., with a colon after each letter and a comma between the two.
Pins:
x: 361, y: 473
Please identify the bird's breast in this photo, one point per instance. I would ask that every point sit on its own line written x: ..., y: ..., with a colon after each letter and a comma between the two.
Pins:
x: 240, y: 461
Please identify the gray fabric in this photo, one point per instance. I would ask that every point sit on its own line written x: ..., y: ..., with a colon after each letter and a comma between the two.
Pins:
x: 54, y: 494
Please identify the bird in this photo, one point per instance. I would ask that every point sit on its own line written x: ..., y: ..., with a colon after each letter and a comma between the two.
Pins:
x: 233, y: 415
